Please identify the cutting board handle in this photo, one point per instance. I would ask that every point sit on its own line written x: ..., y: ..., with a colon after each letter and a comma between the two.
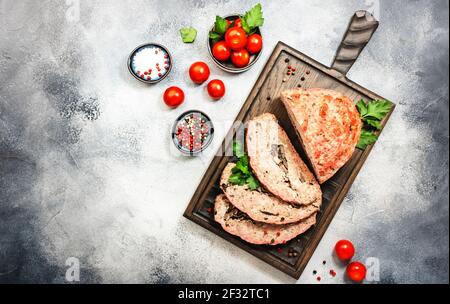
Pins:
x: 361, y: 28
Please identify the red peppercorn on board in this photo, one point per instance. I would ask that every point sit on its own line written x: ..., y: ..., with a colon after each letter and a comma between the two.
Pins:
x: 288, y: 69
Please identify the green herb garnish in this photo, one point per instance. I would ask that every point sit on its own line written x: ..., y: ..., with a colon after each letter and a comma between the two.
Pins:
x: 367, y: 138
x: 375, y: 110
x: 253, y: 19
x: 371, y: 114
x: 188, y: 34
x: 241, y: 173
x: 220, y: 26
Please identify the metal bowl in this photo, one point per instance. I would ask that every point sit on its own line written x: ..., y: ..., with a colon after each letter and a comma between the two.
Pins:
x: 205, y: 145
x: 227, y: 66
x: 149, y: 45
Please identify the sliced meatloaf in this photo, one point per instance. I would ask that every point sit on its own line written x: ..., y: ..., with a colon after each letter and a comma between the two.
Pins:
x: 329, y: 126
x: 262, y: 206
x: 237, y: 223
x: 276, y: 163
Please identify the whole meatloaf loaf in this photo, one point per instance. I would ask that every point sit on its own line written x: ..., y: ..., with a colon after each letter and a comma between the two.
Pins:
x: 329, y: 126
x: 262, y: 206
x: 237, y: 223
x: 276, y: 163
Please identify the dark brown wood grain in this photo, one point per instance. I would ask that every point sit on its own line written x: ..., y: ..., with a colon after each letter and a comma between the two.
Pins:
x: 265, y: 97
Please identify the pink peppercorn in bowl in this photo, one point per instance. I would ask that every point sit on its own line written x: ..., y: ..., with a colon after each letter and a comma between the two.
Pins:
x: 150, y: 63
x: 192, y: 132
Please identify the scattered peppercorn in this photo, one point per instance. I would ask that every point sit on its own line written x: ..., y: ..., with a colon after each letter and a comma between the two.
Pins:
x: 286, y: 60
x: 303, y: 79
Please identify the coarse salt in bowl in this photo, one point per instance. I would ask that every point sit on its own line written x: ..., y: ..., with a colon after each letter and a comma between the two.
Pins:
x: 150, y: 63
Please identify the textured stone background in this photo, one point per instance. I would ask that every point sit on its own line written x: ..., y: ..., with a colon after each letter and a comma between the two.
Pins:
x: 87, y: 171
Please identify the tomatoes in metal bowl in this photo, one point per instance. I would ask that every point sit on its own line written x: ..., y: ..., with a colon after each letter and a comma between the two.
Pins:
x: 221, y: 51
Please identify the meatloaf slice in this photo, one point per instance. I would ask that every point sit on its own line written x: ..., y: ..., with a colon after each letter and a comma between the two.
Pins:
x: 262, y: 206
x: 237, y: 223
x: 329, y: 126
x: 276, y: 163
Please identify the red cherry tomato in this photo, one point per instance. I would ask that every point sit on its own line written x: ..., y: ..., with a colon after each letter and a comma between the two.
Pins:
x: 345, y: 250
x: 254, y: 43
x: 199, y: 72
x: 240, y: 58
x: 221, y: 51
x: 356, y: 272
x: 216, y: 89
x: 236, y: 38
x: 238, y: 22
x: 173, y: 97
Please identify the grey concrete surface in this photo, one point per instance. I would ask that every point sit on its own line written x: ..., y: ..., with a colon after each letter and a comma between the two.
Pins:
x: 86, y: 164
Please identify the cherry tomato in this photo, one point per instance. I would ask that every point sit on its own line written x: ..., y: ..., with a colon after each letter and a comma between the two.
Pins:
x: 173, y: 97
x: 356, y: 272
x: 345, y: 250
x: 240, y: 58
x: 221, y: 51
x: 254, y: 43
x: 236, y: 38
x: 216, y: 89
x: 199, y: 72
x: 238, y: 22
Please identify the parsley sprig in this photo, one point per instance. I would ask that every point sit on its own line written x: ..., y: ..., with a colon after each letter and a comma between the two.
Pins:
x: 241, y: 173
x: 253, y: 19
x: 220, y: 27
x: 372, y: 114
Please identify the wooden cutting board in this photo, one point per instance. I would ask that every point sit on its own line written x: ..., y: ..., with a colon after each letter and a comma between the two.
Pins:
x: 265, y: 97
